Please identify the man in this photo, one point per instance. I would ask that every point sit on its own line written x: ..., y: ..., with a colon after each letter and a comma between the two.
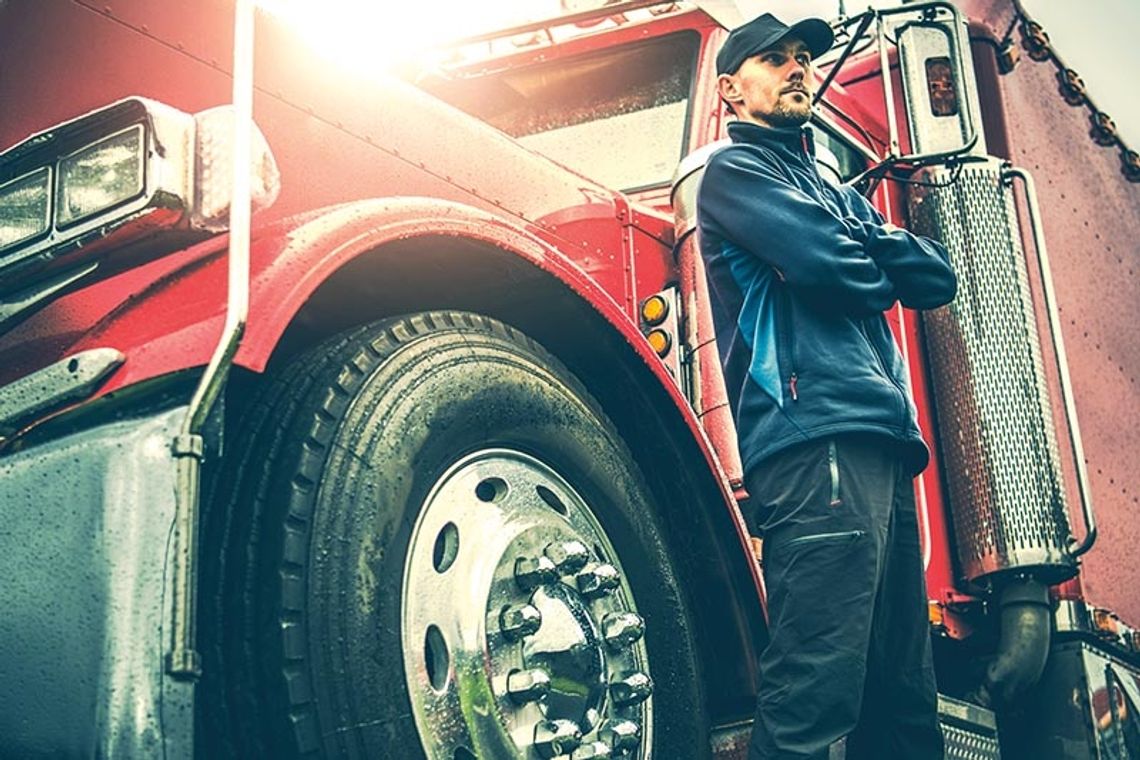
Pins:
x: 800, y: 272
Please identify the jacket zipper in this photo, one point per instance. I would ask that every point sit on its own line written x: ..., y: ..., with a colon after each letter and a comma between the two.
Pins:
x: 789, y: 330
x: 812, y: 171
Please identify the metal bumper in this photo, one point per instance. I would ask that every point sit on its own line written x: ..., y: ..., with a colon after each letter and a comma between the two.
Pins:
x: 85, y: 529
x: 1087, y: 707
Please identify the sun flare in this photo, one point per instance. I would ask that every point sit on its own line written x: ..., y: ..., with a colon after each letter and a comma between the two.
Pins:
x: 366, y: 33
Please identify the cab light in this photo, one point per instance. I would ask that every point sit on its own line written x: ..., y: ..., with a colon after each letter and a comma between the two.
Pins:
x: 101, y: 176
x: 24, y: 208
x: 654, y: 310
x: 940, y: 84
x: 660, y: 342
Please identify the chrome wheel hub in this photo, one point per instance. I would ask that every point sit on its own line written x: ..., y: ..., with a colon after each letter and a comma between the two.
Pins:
x: 521, y: 636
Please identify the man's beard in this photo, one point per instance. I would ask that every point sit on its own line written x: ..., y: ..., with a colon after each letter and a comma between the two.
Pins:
x: 785, y: 115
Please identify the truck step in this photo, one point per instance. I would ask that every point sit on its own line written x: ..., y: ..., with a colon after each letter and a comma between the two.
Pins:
x: 970, y: 731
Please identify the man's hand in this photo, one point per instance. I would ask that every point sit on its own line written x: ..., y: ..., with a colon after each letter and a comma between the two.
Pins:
x: 918, y: 267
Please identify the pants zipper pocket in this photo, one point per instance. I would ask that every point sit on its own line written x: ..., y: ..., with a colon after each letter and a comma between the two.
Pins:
x: 833, y: 470
x: 850, y: 535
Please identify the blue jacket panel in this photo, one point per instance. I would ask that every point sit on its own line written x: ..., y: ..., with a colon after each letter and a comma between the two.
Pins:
x: 800, y: 272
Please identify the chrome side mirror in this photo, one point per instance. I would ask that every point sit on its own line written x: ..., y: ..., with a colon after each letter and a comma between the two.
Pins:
x: 939, y: 89
x: 938, y: 85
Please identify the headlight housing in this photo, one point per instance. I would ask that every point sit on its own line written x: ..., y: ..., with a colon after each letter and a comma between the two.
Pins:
x: 118, y: 182
x: 100, y: 176
x: 25, y: 207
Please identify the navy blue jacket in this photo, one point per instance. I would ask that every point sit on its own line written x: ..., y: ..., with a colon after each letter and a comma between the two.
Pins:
x: 799, y: 273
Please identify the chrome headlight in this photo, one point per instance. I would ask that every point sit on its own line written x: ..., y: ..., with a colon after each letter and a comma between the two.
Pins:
x: 111, y: 181
x: 25, y: 208
x: 100, y: 176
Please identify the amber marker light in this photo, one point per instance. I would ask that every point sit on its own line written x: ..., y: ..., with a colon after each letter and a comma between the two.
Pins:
x: 1106, y: 622
x: 654, y: 310
x: 659, y: 341
x: 935, y: 613
x: 940, y: 82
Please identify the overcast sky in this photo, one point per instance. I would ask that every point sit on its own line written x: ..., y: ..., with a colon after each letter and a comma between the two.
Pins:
x: 1098, y: 38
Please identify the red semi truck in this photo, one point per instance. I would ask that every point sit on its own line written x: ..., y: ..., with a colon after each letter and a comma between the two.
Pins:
x: 431, y: 455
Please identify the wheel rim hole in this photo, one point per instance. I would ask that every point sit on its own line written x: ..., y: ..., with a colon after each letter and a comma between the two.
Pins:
x: 491, y: 490
x: 446, y: 548
x: 601, y: 553
x: 462, y: 753
x: 436, y: 658
x: 552, y: 500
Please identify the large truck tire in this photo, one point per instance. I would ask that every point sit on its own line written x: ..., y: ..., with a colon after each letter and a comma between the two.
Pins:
x: 427, y: 540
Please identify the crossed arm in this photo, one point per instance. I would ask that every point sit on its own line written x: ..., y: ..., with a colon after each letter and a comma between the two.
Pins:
x: 851, y: 261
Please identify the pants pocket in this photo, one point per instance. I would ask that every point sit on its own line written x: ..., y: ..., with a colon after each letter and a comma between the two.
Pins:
x: 839, y: 537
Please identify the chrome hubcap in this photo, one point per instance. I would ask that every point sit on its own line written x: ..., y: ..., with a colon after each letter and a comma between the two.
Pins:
x: 566, y: 647
x: 521, y: 636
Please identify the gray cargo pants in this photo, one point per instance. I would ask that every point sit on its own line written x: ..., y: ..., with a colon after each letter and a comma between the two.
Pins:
x: 849, y: 649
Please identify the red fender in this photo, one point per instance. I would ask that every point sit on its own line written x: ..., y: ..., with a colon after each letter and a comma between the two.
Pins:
x: 174, y: 320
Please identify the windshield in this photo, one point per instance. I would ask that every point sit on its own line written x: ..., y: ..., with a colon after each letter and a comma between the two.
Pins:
x: 618, y: 116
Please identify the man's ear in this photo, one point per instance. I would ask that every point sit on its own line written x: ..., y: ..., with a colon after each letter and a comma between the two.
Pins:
x: 728, y: 87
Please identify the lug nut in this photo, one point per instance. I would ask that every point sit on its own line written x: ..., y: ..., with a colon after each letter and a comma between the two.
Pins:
x: 532, y: 573
x: 519, y: 620
x: 620, y: 629
x: 592, y: 751
x: 527, y: 685
x: 568, y: 556
x: 631, y: 690
x: 556, y: 737
x: 597, y: 580
x: 621, y: 735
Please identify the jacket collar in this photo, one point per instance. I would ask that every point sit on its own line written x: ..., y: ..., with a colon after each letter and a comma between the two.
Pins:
x: 795, y: 140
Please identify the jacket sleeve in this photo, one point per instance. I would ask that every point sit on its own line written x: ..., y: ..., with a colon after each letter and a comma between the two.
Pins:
x: 918, y: 267
x: 814, y: 251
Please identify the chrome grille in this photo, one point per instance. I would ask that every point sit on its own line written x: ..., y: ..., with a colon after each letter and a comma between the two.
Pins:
x: 996, y: 428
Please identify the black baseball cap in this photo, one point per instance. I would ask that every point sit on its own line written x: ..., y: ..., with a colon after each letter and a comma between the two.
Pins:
x: 765, y: 31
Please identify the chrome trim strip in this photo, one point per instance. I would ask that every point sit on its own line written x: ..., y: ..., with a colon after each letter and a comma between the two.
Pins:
x: 1067, y: 393
x: 72, y: 378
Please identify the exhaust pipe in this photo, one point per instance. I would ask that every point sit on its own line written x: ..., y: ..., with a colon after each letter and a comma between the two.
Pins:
x: 1024, y: 644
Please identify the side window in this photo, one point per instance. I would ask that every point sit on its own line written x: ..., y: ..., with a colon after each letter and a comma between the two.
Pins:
x: 848, y: 161
x: 618, y: 116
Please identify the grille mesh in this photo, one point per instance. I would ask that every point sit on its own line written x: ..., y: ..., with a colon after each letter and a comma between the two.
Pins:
x: 967, y: 745
x: 995, y: 424
x: 969, y: 731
